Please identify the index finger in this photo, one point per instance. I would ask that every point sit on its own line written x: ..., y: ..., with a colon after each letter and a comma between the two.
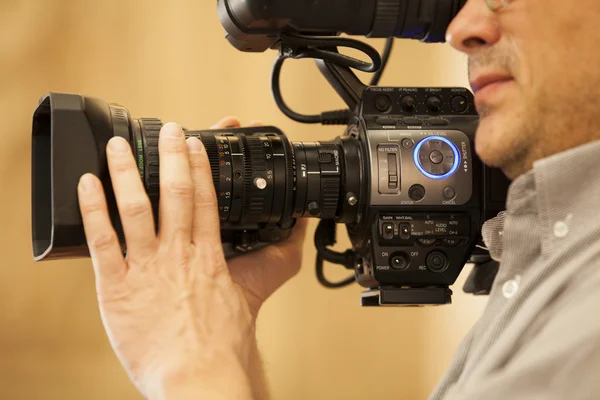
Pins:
x: 105, y: 250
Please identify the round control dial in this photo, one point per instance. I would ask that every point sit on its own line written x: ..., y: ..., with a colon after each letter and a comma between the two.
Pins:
x: 399, y: 261
x: 408, y: 103
x: 434, y: 104
x: 383, y: 103
x: 437, y: 157
x: 459, y: 104
x: 437, y: 261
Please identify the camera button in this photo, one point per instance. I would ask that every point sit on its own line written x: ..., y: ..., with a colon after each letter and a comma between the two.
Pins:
x: 434, y: 104
x: 400, y: 261
x: 393, y: 181
x: 408, y: 143
x: 451, y: 242
x: 426, y: 242
x: 437, y: 262
x: 314, y: 208
x: 408, y: 103
x: 383, y: 103
x: 459, y: 104
x: 449, y: 193
x: 416, y: 192
x: 388, y: 231
x: 404, y: 231
x: 438, y: 122
x: 385, y: 121
x: 412, y: 121
x: 436, y: 157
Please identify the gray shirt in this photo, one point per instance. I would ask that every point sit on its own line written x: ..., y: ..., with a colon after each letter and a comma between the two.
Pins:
x: 539, y: 336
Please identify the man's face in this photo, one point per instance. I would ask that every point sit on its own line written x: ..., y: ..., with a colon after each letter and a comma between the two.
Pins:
x: 543, y: 57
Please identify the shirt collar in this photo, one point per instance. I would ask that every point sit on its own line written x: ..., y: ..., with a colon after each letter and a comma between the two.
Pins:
x: 559, y: 197
x: 567, y: 185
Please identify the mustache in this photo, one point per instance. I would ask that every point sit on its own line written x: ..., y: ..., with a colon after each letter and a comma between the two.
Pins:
x: 492, y: 59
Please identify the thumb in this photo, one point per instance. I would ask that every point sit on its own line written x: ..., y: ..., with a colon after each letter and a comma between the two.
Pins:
x: 264, y: 271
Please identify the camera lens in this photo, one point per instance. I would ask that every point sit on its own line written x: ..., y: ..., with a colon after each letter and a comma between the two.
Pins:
x: 281, y: 180
x: 252, y: 173
x: 259, y: 176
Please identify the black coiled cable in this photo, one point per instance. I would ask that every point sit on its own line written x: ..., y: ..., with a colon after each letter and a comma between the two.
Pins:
x: 322, y: 48
x: 324, y: 237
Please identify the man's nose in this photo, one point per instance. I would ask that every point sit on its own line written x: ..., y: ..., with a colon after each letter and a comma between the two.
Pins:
x: 474, y: 27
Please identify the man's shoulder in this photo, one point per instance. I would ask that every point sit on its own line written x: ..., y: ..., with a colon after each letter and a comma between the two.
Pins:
x: 550, y: 349
x: 569, y: 316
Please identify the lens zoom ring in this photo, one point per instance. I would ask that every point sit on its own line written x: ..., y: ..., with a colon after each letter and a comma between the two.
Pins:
x: 330, y: 192
x: 254, y: 199
x: 386, y: 18
x: 290, y: 165
x: 150, y: 132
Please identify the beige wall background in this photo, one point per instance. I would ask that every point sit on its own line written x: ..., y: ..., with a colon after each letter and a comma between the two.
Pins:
x: 169, y: 60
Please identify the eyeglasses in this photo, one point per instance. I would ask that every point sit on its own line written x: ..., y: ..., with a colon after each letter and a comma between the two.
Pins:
x: 496, y: 5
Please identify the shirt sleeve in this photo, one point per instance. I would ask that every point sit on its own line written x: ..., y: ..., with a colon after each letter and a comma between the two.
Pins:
x: 560, y: 362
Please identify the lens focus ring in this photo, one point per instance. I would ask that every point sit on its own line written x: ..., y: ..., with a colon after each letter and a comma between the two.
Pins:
x: 386, y: 18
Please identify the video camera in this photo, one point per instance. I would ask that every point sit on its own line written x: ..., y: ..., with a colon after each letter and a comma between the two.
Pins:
x: 404, y: 177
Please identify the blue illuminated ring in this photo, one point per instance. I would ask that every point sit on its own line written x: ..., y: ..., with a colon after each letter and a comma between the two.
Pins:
x: 454, y: 150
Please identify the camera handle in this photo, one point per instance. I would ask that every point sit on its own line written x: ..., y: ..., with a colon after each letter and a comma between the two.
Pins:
x: 345, y: 82
x: 335, y: 67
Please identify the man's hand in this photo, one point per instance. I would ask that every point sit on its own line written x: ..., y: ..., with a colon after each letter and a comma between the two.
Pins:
x: 179, y: 317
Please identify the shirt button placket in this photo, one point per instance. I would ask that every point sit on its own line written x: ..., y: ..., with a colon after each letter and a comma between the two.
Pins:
x: 561, y: 228
x: 511, y: 287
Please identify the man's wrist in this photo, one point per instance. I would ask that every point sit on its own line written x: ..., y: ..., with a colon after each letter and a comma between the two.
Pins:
x: 227, y: 379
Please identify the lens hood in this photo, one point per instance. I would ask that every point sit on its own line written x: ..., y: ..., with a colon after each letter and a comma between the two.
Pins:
x: 69, y: 137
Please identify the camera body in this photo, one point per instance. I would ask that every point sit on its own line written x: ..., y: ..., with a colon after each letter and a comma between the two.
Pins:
x: 427, y: 193
x: 415, y: 206
x: 410, y: 189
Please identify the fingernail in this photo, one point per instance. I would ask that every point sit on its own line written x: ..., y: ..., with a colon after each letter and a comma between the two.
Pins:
x: 118, y: 145
x: 87, y: 183
x: 172, y: 129
x: 194, y: 145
